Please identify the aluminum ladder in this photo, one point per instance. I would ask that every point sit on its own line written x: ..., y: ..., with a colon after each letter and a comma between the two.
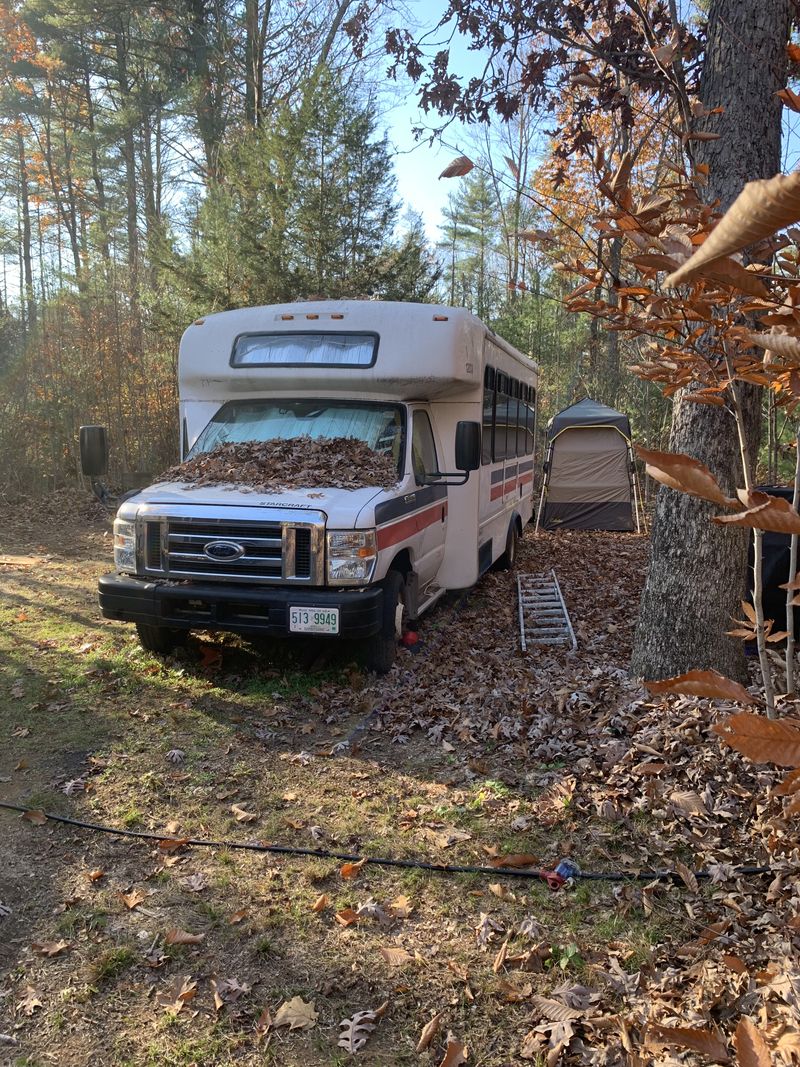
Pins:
x: 543, y: 615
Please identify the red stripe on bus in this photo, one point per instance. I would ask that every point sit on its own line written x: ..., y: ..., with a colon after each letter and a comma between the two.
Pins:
x: 394, y: 532
x: 496, y: 492
x: 510, y: 485
x: 525, y: 479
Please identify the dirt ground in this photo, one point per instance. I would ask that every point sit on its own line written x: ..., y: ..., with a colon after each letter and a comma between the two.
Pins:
x: 125, y: 952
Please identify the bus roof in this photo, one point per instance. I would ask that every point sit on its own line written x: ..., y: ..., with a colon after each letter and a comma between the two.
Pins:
x: 404, y: 350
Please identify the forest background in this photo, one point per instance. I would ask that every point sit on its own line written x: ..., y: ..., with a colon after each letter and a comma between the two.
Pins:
x: 161, y: 163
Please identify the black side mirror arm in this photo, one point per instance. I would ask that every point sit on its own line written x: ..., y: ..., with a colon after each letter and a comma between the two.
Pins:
x: 459, y: 478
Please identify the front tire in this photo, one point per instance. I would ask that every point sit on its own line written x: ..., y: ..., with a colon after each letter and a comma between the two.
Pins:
x: 508, y: 560
x: 381, y: 649
x: 159, y: 639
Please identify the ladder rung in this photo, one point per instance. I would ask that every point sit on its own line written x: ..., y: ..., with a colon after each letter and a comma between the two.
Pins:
x: 543, y: 615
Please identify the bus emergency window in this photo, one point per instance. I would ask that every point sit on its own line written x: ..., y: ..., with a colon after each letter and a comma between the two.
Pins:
x: 423, y: 449
x: 305, y: 350
x: 488, y: 415
x: 530, y: 419
x: 500, y: 417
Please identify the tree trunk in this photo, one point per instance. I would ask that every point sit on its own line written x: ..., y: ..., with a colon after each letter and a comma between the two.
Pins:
x: 698, y: 572
x: 29, y: 317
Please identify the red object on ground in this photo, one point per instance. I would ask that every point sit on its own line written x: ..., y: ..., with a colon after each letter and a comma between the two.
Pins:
x: 410, y: 637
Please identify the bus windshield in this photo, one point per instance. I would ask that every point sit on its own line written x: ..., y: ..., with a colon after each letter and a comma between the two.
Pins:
x: 378, y: 425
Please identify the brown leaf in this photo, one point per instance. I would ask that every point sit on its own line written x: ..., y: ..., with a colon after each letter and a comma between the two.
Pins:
x: 708, y: 684
x: 429, y: 1032
x: 455, y: 1054
x: 176, y: 936
x: 96, y: 874
x: 687, y: 876
x: 238, y: 916
x: 401, y: 907
x: 357, y: 1030
x: 241, y: 815
x: 396, y: 957
x: 762, y: 740
x: 29, y: 1001
x: 350, y: 870
x: 708, y: 1042
x: 762, y: 208
x: 297, y: 1014
x: 684, y: 473
x: 555, y: 1010
x: 688, y: 802
x: 780, y: 344
x: 172, y: 844
x: 321, y: 903
x: 133, y: 899
x: 789, y: 786
x: 50, y: 948
x: 514, y: 859
x: 179, y: 992
x: 347, y: 917
x: 36, y: 816
x: 764, y: 512
x: 460, y: 166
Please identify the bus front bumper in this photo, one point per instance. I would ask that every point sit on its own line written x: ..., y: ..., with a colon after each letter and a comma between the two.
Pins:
x: 237, y: 608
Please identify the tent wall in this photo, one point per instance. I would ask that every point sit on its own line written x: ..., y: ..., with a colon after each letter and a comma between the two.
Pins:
x: 589, y: 480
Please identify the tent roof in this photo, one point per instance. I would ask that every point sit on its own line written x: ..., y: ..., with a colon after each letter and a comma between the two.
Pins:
x: 588, y: 412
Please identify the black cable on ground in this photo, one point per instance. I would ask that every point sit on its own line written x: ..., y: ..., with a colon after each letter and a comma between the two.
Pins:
x: 565, y: 871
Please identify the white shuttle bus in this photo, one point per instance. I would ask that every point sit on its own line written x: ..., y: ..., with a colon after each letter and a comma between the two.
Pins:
x: 431, y: 386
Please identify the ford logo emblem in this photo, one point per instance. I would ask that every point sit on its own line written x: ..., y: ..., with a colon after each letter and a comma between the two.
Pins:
x: 223, y: 551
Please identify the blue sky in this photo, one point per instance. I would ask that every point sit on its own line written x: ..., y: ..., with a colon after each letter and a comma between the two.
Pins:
x: 418, y: 164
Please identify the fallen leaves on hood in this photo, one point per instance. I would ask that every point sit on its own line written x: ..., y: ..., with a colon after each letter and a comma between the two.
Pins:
x: 298, y: 463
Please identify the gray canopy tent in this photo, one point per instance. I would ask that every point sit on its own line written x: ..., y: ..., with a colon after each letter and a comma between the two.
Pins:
x: 589, y: 475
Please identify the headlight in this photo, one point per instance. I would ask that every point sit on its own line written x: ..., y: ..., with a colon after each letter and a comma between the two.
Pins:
x: 125, y: 546
x: 351, y: 556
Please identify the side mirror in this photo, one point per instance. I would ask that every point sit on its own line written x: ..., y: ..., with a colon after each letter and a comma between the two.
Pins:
x: 468, y: 446
x: 94, y: 450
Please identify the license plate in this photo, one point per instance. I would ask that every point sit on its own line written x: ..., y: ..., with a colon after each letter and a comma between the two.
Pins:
x: 314, y: 620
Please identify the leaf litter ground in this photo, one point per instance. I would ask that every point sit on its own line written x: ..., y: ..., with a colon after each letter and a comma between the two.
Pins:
x: 465, y: 753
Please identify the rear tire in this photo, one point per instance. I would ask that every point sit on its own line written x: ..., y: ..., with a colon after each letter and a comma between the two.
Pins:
x: 161, y: 639
x: 508, y: 560
x: 380, y: 650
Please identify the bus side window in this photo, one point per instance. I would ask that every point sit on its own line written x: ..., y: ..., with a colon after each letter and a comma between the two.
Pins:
x: 488, y: 416
x: 423, y: 449
x: 500, y: 416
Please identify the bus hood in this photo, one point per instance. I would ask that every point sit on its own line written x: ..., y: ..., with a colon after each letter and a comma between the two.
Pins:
x: 340, y: 506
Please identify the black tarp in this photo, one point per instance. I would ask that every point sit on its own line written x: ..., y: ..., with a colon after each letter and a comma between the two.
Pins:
x: 588, y: 412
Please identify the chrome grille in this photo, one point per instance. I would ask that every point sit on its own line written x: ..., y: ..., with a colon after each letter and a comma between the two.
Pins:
x: 174, y: 546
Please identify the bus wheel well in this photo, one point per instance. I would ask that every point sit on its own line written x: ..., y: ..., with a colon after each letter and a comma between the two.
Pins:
x: 402, y: 563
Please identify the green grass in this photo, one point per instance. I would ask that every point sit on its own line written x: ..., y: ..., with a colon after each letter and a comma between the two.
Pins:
x: 112, y: 963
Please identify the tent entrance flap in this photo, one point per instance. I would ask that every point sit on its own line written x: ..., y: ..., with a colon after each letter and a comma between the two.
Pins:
x: 588, y: 480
